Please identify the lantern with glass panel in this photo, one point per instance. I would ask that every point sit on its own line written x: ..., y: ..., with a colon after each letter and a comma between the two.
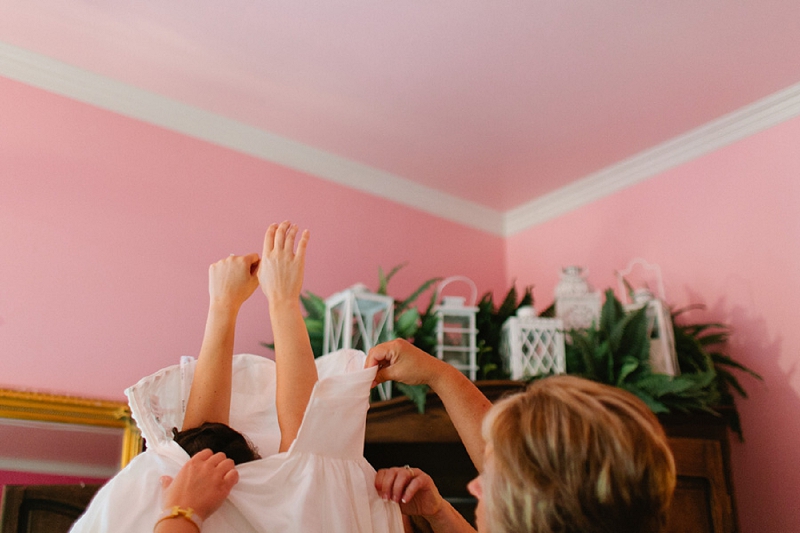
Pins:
x: 635, y: 284
x: 359, y: 319
x: 456, y: 331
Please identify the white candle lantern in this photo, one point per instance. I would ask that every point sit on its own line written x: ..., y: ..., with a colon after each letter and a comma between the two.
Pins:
x: 533, y: 346
x: 576, y: 304
x: 663, y: 357
x: 456, y: 332
x: 359, y: 319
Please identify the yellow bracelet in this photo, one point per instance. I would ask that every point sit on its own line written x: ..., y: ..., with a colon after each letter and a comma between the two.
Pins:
x: 180, y: 512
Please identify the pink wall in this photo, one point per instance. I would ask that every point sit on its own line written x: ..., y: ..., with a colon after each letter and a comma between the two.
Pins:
x: 108, y: 225
x: 725, y: 230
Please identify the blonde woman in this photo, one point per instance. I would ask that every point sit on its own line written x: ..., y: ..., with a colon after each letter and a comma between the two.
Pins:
x: 566, y: 455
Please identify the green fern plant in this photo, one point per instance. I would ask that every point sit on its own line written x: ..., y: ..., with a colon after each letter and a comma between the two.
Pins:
x: 418, y: 328
x: 616, y: 352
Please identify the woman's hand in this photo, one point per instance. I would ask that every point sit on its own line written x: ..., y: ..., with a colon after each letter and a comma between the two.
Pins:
x: 202, y: 484
x: 399, y: 360
x: 412, y: 488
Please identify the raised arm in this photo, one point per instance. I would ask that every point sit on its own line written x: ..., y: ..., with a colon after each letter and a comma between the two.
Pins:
x: 231, y: 281
x: 281, y: 277
x: 399, y: 360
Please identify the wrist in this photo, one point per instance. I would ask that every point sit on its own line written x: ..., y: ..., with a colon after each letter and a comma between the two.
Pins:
x: 222, y: 305
x: 185, y: 515
x: 281, y: 304
x: 442, y: 517
x: 441, y: 375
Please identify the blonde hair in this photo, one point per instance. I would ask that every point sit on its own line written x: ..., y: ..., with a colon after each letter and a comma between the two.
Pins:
x: 571, y: 455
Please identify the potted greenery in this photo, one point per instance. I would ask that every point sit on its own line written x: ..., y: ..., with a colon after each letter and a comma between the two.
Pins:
x: 614, y: 351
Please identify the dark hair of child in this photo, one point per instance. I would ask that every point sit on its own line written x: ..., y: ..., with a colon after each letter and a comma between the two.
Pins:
x: 218, y: 438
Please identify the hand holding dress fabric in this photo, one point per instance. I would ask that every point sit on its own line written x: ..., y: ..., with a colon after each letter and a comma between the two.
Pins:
x: 399, y: 360
x: 200, y: 487
x: 418, y: 496
x: 412, y: 488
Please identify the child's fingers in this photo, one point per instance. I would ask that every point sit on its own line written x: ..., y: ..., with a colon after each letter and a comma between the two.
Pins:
x: 269, y: 238
x: 280, y: 235
x: 252, y: 260
x: 291, y: 233
x: 301, y: 246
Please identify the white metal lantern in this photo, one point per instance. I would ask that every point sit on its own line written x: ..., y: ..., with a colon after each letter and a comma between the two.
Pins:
x: 576, y: 304
x: 456, y: 332
x: 533, y: 346
x: 663, y: 357
x: 359, y: 319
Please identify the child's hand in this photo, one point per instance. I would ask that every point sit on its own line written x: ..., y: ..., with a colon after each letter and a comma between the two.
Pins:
x: 281, y: 269
x: 232, y: 280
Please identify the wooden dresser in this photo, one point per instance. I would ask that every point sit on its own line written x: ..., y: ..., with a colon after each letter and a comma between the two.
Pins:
x: 704, y: 501
x: 43, y: 508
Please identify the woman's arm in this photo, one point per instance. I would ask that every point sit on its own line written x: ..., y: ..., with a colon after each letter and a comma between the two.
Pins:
x: 399, y: 360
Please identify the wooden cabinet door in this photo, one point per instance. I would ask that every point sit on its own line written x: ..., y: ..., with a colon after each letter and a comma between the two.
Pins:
x: 43, y: 508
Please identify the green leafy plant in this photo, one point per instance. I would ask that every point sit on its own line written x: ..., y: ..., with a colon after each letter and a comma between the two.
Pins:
x: 418, y: 328
x: 616, y: 352
x: 489, y: 322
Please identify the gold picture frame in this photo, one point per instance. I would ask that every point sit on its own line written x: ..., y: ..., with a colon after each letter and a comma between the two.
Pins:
x: 43, y: 407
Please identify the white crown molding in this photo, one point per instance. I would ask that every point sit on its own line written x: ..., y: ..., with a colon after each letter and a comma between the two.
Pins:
x: 60, y: 78
x: 63, y: 79
x: 751, y: 119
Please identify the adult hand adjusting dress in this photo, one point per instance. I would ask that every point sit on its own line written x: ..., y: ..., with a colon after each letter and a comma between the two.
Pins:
x: 321, y: 484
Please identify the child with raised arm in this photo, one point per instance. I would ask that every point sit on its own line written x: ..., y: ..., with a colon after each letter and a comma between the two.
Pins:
x: 304, y: 469
x: 231, y: 282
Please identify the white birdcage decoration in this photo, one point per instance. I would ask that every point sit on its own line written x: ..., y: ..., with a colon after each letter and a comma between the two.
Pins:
x: 663, y: 357
x: 533, y: 346
x: 359, y: 319
x: 575, y: 302
x: 456, y: 332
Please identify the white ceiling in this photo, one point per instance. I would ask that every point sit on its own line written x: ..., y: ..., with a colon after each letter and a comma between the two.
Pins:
x: 447, y: 105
